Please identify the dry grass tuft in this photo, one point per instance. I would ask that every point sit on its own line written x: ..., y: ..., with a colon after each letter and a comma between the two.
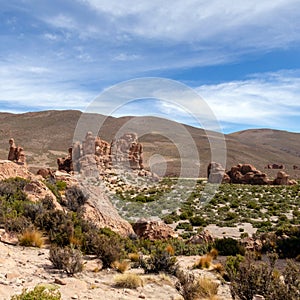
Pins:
x: 204, y: 262
x: 134, y: 257
x: 207, y: 288
x: 219, y: 268
x: 170, y: 249
x: 121, y: 266
x: 33, y: 238
x: 214, y: 253
x: 129, y: 280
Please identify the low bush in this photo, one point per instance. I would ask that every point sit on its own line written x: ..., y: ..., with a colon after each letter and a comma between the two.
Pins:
x: 75, y: 198
x: 192, y: 288
x: 67, y: 259
x: 204, y: 262
x: 229, y: 246
x: 160, y: 261
x: 250, y: 277
x: 121, y: 266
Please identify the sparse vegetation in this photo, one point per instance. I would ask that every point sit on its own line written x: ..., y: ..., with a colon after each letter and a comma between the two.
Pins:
x: 193, y: 288
x: 249, y: 278
x: 38, y: 293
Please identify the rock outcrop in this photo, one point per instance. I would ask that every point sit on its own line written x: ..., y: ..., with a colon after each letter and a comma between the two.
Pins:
x: 216, y: 173
x: 10, y: 169
x: 99, y: 210
x: 153, y: 230
x: 204, y: 237
x: 16, y: 154
x: 66, y: 163
x: 124, y: 152
x: 245, y: 174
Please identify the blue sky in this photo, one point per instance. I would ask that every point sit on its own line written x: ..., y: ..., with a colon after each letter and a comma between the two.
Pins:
x: 241, y: 57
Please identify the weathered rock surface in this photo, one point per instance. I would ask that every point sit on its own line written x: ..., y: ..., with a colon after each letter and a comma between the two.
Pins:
x: 37, y: 190
x: 99, y: 210
x: 153, y: 230
x: 10, y: 169
x: 203, y: 237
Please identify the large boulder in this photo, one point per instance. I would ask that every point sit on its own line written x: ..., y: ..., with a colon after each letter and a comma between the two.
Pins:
x: 99, y: 210
x: 204, y: 237
x: 153, y: 230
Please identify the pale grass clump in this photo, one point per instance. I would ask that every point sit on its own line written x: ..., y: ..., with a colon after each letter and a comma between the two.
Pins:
x: 192, y: 288
x: 219, y: 268
x: 128, y: 280
x: 32, y: 238
x: 134, y: 257
x: 207, y: 288
x: 121, y: 266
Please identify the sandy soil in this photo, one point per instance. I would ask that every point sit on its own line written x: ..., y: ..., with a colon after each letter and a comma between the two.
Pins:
x: 27, y: 267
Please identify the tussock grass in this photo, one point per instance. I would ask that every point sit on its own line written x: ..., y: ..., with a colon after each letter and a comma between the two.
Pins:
x: 129, y: 280
x: 32, y: 238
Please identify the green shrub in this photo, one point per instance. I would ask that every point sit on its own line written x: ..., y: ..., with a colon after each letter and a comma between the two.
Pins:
x: 184, y: 225
x: 75, y: 198
x: 198, y: 221
x: 160, y: 261
x: 250, y: 278
x: 229, y: 246
x: 38, y: 293
x: 107, y: 248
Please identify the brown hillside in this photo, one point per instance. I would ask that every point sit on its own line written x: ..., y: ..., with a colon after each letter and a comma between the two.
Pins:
x: 47, y: 135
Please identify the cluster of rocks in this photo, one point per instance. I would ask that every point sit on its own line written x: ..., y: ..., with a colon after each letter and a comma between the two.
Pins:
x: 153, y: 230
x: 274, y: 166
x: 124, y: 152
x: 244, y: 174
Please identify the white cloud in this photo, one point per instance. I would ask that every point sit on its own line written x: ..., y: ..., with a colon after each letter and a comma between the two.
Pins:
x: 267, y: 23
x: 263, y: 100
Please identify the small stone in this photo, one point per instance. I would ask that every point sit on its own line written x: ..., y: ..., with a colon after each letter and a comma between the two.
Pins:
x: 142, y: 296
x: 60, y: 281
x: 10, y: 276
x: 74, y: 297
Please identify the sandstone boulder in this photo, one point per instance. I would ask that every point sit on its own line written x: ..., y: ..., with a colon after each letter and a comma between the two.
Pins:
x: 99, y: 210
x: 153, y: 230
x: 37, y: 190
x: 203, y: 237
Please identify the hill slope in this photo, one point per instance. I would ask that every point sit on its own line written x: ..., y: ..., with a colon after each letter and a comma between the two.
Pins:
x: 47, y: 135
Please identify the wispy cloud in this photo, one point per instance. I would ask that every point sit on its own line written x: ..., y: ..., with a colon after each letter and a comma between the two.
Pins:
x: 262, y: 100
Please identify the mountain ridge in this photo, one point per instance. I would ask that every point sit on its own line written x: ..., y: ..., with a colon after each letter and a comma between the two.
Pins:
x: 46, y: 135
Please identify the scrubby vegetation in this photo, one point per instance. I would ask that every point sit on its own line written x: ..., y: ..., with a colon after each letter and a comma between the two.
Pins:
x: 39, y: 292
x: 274, y: 211
x: 248, y: 277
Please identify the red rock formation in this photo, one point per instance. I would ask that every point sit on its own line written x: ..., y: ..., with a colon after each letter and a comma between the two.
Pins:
x: 66, y: 163
x: 16, y: 154
x: 127, y: 151
x: 245, y: 174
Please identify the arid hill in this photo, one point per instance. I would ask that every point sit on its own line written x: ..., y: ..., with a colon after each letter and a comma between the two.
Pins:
x: 47, y: 135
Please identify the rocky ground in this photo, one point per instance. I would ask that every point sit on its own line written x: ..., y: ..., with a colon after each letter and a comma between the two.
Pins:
x: 22, y: 267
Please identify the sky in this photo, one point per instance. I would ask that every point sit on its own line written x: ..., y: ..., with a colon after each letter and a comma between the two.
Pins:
x: 241, y: 57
